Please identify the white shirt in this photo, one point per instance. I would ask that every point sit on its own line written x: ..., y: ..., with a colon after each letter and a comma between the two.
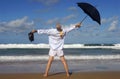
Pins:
x: 55, y: 41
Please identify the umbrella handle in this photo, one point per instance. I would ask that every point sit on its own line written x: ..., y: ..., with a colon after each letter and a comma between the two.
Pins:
x: 84, y: 19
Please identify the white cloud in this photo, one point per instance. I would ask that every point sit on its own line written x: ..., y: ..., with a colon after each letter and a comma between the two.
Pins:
x: 17, y: 22
x: 113, y: 25
x: 52, y: 21
x: 18, y: 25
x: 63, y: 19
x: 72, y: 8
x: 100, y: 34
x: 106, y: 20
x: 69, y: 17
x: 47, y: 2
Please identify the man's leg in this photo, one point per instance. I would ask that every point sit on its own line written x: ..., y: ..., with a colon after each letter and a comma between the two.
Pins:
x: 48, y: 65
x: 65, y: 65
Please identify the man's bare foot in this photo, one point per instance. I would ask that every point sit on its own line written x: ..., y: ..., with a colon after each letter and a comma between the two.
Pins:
x: 45, y: 75
x: 68, y: 75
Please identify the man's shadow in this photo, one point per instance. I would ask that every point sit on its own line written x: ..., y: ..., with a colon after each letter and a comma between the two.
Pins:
x: 60, y: 73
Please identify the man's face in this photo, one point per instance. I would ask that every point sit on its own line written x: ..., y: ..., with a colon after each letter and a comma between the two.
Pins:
x: 59, y: 27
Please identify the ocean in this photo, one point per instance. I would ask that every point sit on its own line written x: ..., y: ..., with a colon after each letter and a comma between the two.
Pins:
x: 29, y: 58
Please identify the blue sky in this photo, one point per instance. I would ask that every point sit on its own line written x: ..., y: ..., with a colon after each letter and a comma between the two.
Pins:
x: 18, y: 17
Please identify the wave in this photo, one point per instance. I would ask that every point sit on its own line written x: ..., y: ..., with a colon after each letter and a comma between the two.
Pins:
x: 117, y: 45
x: 68, y: 57
x: 3, y: 46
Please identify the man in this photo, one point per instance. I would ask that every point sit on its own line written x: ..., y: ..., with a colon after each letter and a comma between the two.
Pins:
x: 56, y: 42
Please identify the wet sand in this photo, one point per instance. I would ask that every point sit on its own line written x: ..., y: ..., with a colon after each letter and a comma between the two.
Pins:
x: 61, y: 75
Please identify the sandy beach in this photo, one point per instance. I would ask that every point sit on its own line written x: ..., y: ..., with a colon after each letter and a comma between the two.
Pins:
x: 61, y: 75
x: 83, y: 63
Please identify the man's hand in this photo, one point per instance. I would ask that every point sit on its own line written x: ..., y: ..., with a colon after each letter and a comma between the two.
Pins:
x: 78, y: 25
x: 33, y: 31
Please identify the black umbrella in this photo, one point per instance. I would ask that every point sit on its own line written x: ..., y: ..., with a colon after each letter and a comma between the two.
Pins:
x: 91, y: 11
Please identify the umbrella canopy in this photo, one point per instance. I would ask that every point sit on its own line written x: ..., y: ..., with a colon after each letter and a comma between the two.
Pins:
x: 91, y: 11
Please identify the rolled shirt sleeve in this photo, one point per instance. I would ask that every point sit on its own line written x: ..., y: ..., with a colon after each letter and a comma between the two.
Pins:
x: 68, y: 29
x: 42, y: 31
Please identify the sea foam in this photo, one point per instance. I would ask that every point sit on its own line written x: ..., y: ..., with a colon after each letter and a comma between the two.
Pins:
x: 2, y: 46
x: 68, y: 57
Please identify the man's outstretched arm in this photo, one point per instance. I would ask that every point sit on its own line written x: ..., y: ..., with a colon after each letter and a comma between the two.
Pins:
x: 73, y: 27
x: 42, y: 31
